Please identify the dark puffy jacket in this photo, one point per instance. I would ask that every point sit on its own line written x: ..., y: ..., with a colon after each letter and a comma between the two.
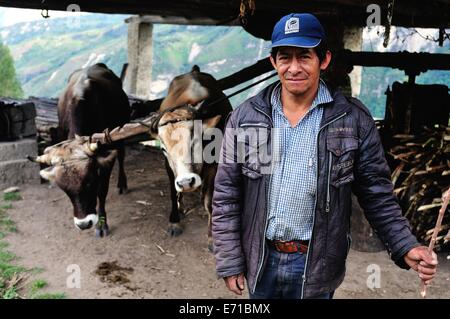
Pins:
x: 350, y: 158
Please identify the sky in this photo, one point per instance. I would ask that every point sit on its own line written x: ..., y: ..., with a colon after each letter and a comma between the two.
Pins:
x: 10, y: 16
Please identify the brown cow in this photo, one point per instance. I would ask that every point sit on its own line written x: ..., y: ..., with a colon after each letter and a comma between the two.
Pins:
x: 193, y: 91
x: 93, y: 101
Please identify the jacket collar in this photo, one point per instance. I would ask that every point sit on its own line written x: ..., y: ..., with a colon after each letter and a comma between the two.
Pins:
x: 339, y: 106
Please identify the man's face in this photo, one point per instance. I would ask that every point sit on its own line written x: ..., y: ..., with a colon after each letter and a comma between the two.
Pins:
x: 299, y: 69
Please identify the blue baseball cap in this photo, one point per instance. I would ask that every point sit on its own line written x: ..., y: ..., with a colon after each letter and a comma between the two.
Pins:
x: 301, y: 30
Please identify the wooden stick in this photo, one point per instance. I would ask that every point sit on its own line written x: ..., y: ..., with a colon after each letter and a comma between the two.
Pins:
x: 125, y: 131
x: 120, y: 133
x: 437, y: 229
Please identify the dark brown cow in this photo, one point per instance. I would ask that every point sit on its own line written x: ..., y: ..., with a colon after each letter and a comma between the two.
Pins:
x: 93, y: 101
x: 195, y: 91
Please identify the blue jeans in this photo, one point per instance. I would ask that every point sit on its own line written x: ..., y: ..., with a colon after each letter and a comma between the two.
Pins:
x: 282, y: 277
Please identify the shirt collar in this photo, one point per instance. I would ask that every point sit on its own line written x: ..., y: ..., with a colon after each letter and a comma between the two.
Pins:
x: 323, y: 96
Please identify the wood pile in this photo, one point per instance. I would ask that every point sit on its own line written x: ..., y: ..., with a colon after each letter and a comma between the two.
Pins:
x: 17, y: 119
x: 420, y: 176
x: 47, y: 114
x: 47, y: 118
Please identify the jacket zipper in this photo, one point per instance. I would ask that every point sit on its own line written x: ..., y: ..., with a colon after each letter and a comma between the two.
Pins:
x: 327, y: 206
x: 261, y: 261
x: 315, y: 203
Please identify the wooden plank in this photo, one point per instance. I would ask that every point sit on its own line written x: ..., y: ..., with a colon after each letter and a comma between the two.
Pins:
x: 248, y: 73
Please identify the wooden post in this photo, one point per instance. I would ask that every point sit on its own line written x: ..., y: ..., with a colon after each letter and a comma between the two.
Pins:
x: 140, y: 52
x: 353, y: 39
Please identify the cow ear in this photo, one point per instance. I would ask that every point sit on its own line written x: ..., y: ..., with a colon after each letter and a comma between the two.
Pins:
x: 195, y: 68
x: 107, y: 159
x: 48, y: 173
x: 208, y: 126
x: 211, y: 122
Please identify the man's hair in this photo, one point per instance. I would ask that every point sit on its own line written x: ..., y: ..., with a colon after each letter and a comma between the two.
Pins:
x: 321, y: 51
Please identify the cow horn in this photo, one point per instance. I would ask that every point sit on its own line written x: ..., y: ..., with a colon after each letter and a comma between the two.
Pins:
x: 93, y: 147
x: 43, y: 159
x: 194, y: 108
x: 31, y: 158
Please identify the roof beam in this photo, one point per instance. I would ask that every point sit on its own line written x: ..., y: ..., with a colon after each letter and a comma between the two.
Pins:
x: 154, y: 19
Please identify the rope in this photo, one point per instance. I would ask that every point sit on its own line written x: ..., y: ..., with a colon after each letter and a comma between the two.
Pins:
x: 244, y: 89
x: 387, y: 32
x: 247, y: 6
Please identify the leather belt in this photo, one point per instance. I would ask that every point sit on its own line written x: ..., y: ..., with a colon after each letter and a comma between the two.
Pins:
x: 292, y: 246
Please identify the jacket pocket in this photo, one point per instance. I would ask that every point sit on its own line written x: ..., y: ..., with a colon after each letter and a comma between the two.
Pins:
x: 342, y: 150
x: 253, y: 146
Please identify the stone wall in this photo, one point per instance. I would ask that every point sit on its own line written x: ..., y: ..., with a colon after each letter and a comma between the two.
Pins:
x: 15, y: 169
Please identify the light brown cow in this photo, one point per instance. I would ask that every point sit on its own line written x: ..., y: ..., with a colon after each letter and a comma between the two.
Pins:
x: 176, y: 128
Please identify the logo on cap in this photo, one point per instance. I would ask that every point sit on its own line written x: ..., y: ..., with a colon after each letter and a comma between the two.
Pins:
x: 292, y: 25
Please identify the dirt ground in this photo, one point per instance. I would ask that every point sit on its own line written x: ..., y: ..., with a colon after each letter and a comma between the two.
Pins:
x: 140, y: 260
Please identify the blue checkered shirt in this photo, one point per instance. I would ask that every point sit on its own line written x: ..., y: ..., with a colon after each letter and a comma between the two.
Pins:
x: 294, y: 175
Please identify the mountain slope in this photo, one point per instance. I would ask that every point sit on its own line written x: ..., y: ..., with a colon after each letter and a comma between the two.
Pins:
x: 46, y: 52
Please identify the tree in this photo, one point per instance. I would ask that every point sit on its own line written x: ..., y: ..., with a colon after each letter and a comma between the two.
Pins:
x: 9, y: 85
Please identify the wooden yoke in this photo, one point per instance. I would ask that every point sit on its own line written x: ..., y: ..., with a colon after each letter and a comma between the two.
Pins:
x: 147, y: 125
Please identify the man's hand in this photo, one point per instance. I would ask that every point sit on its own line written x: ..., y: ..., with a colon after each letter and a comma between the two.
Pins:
x: 235, y: 283
x: 423, y: 262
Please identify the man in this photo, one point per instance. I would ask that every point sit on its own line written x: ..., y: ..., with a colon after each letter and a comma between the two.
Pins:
x: 287, y: 232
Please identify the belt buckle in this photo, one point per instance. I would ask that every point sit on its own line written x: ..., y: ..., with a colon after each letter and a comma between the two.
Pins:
x: 303, y: 248
x: 286, y: 246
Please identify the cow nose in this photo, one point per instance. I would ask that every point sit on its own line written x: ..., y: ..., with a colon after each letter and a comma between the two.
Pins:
x: 84, y: 226
x: 87, y: 222
x: 186, y: 182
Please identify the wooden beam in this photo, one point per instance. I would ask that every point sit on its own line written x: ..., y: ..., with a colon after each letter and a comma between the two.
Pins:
x: 248, y: 73
x: 180, y: 20
x: 407, y: 13
x: 411, y: 63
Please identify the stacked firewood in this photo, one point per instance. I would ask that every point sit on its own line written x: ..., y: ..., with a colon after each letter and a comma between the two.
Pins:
x: 46, y: 119
x: 47, y: 115
x: 420, y: 176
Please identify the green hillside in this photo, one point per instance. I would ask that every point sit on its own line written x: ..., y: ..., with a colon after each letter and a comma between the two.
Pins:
x: 46, y: 52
